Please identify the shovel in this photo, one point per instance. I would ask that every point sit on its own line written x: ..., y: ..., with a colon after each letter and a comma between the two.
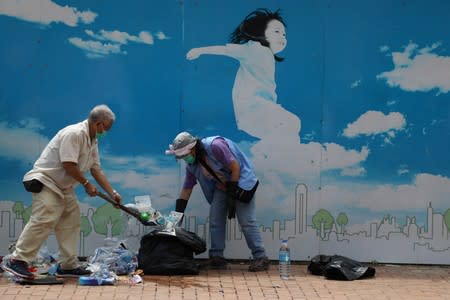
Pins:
x: 128, y: 210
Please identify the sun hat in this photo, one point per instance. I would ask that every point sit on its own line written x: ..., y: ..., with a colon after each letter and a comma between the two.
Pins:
x: 182, y: 144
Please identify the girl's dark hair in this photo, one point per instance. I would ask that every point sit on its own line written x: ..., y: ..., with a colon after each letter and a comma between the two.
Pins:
x: 254, y: 26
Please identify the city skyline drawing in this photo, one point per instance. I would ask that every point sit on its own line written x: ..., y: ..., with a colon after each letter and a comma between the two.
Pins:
x: 383, y: 241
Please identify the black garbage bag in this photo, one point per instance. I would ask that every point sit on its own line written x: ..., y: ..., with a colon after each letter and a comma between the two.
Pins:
x: 197, y: 244
x: 163, y: 254
x: 339, y: 268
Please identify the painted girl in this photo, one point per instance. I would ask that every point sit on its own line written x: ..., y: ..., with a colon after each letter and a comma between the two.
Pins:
x: 255, y: 43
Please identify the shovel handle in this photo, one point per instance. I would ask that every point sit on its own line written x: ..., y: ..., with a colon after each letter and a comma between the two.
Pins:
x: 121, y: 206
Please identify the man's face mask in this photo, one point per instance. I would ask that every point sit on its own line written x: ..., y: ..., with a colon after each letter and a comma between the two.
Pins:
x: 189, y: 159
x: 99, y: 135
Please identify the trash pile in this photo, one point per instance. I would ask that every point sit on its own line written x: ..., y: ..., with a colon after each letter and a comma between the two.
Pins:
x: 108, y: 263
x: 114, y: 261
x: 44, y: 264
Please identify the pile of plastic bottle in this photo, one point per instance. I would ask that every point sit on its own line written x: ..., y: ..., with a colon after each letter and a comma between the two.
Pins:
x: 116, y: 258
x: 108, y: 262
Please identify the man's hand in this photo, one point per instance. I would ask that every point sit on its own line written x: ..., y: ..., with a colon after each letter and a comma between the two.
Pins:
x: 90, y: 189
x: 116, y: 197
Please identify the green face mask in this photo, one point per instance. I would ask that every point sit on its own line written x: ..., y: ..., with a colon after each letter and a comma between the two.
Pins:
x: 189, y: 159
x: 99, y: 135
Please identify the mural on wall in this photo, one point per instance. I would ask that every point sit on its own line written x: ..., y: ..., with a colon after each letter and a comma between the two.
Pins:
x: 344, y: 112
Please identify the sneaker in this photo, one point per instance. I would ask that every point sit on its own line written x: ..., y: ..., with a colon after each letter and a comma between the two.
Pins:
x: 217, y: 262
x: 259, y: 264
x: 77, y: 272
x: 19, y: 268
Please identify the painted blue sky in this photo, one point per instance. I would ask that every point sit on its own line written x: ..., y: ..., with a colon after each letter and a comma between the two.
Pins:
x: 368, y: 79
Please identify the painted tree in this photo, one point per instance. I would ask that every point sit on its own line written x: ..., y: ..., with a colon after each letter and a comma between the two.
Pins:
x: 27, y: 214
x: 447, y: 218
x: 18, y: 209
x: 107, y: 214
x: 322, y: 220
x: 85, y: 230
x: 342, y: 220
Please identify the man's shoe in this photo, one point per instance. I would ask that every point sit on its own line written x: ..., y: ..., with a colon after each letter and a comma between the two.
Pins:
x: 217, y: 262
x: 77, y: 272
x: 19, y: 268
x: 259, y: 264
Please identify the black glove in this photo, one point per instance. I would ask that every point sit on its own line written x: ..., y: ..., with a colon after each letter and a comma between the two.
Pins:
x: 180, y: 205
x: 232, y: 189
x: 231, y: 207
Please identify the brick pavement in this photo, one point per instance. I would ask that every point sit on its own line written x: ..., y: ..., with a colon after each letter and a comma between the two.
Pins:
x: 391, y: 282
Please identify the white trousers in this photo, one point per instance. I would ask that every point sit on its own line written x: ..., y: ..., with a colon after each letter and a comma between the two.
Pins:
x: 50, y: 213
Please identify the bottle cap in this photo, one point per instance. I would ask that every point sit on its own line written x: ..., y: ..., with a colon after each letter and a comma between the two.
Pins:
x: 144, y: 216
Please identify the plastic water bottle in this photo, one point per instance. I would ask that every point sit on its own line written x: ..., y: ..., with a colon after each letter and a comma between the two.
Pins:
x: 284, y: 262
